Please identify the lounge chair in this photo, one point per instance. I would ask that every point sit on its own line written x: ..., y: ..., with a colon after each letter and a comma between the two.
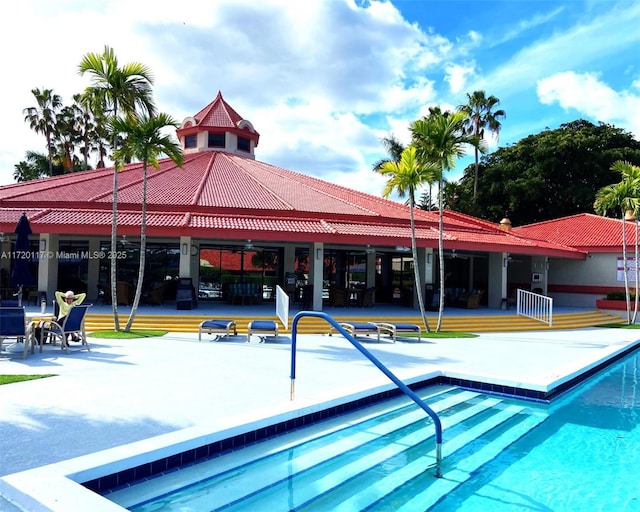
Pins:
x: 393, y: 329
x: 262, y: 327
x: 218, y: 327
x: 72, y: 324
x: 359, y: 329
x: 13, y: 324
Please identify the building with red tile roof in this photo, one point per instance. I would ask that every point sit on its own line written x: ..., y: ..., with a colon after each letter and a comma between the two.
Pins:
x: 290, y: 229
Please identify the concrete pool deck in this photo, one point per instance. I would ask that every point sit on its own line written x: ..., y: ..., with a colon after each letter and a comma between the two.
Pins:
x: 126, y: 402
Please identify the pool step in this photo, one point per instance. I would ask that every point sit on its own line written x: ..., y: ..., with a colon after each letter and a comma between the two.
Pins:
x: 357, y: 461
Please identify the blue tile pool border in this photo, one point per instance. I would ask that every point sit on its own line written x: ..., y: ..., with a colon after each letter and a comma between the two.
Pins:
x: 109, y: 483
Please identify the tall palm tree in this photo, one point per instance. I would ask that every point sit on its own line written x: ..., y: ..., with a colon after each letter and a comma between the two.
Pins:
x: 440, y: 139
x: 394, y: 149
x: 405, y: 177
x: 126, y: 88
x: 143, y: 140
x: 42, y: 118
x: 480, y: 115
x: 625, y: 197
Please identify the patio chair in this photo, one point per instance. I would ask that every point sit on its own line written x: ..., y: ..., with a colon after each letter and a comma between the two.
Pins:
x: 13, y: 324
x: 218, y: 327
x: 356, y: 329
x: 369, y: 297
x: 262, y: 327
x: 72, y: 324
x: 338, y: 297
x: 393, y: 329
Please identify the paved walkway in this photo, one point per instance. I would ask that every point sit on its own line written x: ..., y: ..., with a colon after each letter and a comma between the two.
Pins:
x: 175, y: 387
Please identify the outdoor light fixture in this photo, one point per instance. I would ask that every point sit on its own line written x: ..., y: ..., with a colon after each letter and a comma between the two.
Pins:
x: 185, y: 249
x: 43, y: 245
x: 505, y: 261
x: 194, y: 250
x: 3, y: 238
x: 429, y: 258
x: 318, y: 254
x: 370, y: 250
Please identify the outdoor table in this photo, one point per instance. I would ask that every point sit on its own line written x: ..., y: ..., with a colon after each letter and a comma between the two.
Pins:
x: 32, y: 318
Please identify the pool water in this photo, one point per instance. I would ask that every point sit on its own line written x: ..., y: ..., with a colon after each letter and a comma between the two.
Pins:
x: 584, y: 457
x: 577, y: 454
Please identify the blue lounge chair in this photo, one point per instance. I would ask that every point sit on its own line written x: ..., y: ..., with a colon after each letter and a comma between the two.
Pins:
x: 13, y: 324
x: 356, y: 329
x: 72, y: 324
x: 393, y: 329
x: 218, y: 327
x: 262, y: 327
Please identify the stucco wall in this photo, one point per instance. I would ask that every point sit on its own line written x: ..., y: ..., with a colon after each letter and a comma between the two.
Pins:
x: 597, y: 270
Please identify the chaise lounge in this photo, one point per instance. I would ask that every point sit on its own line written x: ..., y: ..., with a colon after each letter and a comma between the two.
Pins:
x: 262, y: 327
x: 356, y: 329
x: 219, y: 327
x: 393, y: 329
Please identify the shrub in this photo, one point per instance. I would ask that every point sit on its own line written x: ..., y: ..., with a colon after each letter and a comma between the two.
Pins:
x: 619, y: 295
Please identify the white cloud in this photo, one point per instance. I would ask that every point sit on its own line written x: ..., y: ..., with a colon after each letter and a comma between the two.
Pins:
x: 456, y: 76
x: 592, y: 98
x: 307, y: 74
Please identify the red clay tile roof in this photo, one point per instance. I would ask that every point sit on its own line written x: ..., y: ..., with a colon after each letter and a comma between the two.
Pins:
x: 219, y: 115
x: 225, y: 196
x: 585, y: 231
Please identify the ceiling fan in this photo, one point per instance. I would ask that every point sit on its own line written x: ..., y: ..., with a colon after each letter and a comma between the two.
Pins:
x: 454, y: 255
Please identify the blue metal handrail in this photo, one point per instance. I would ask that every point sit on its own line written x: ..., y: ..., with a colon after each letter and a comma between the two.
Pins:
x: 401, y: 385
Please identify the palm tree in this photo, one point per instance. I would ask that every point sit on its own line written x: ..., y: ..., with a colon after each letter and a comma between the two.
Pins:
x: 126, y: 88
x: 623, y: 196
x: 143, y: 140
x: 480, y: 115
x: 393, y: 147
x: 440, y: 139
x: 405, y: 177
x: 42, y: 119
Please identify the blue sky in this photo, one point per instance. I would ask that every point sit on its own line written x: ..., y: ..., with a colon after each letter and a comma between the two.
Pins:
x: 324, y: 80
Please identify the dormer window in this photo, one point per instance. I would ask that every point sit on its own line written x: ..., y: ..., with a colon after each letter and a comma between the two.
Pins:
x: 244, y: 144
x: 190, y: 141
x: 216, y: 140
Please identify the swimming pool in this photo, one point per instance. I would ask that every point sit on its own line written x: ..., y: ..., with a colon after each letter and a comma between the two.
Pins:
x: 500, y: 454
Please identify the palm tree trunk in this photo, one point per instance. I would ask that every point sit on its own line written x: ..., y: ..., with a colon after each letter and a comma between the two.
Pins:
x: 624, y: 266
x: 441, y: 252
x: 416, y: 269
x: 635, y: 266
x: 143, y: 250
x: 475, y: 176
x: 114, y: 250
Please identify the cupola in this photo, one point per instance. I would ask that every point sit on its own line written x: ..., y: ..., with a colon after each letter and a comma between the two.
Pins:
x: 218, y: 127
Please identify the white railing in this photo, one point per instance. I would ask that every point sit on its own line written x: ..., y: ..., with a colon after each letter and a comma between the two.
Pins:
x: 535, y: 306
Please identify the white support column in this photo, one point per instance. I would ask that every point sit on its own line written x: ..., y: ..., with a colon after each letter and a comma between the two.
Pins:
x: 48, y: 264
x: 316, y: 264
x: 184, y: 269
x: 497, y: 279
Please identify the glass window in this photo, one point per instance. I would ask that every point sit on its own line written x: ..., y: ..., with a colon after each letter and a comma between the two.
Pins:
x: 190, y: 141
x: 161, y: 265
x: 73, y: 266
x: 244, y: 144
x: 221, y: 266
x: 216, y: 140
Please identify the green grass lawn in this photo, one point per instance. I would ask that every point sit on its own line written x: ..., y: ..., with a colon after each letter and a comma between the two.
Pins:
x: 126, y: 335
x: 8, y: 379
